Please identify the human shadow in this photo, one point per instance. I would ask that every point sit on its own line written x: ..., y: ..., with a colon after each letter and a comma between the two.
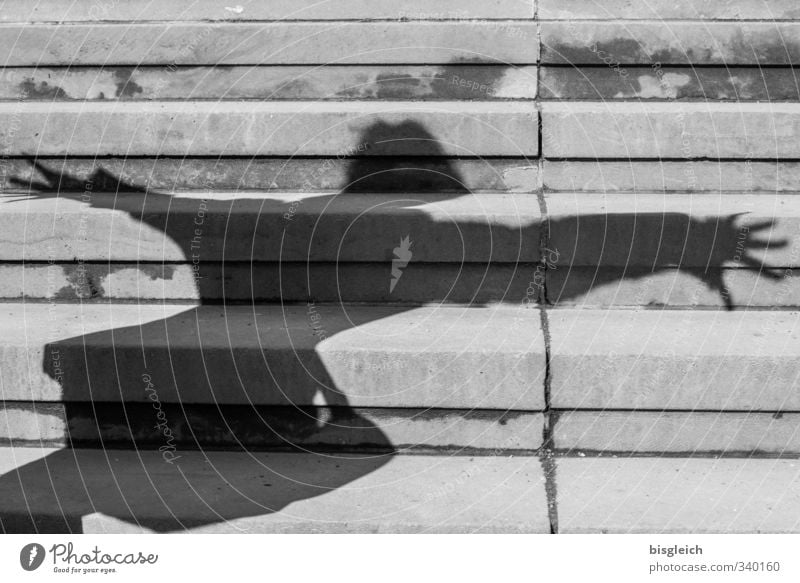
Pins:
x: 213, y: 354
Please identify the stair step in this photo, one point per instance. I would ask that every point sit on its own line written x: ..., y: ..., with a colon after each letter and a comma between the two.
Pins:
x: 371, y: 174
x: 469, y: 283
x: 385, y: 82
x: 105, y: 491
x: 654, y: 230
x: 686, y: 288
x: 269, y: 43
x: 208, y: 227
x: 675, y: 360
x: 186, y: 426
x: 681, y: 130
x: 677, y: 495
x: 232, y: 282
x: 672, y: 176
x: 615, y: 44
x: 326, y: 355
x: 669, y: 83
x: 677, y: 432
x: 665, y: 10
x: 275, y: 128
x: 173, y: 10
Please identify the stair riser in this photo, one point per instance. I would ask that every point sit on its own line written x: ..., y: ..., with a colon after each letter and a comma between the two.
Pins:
x: 296, y: 174
x: 287, y: 282
x: 418, y: 283
x: 447, y: 82
x: 174, y: 427
x: 645, y: 83
x: 758, y: 177
x: 676, y: 432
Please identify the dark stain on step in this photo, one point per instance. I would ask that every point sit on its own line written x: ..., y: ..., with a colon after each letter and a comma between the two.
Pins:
x: 127, y: 88
x: 462, y: 80
x: 42, y: 90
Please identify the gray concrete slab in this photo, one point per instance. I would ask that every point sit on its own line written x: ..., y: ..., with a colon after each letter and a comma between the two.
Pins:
x: 320, y: 227
x: 269, y: 128
x: 681, y: 130
x: 445, y: 82
x: 677, y: 495
x: 675, y: 359
x: 335, y: 355
x: 96, y: 491
x: 246, y: 10
x: 130, y: 424
x: 676, y: 432
x: 616, y: 44
x: 270, y: 43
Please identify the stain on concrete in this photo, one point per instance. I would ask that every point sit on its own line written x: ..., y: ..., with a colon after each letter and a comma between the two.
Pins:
x: 42, y: 90
x: 127, y: 88
x: 462, y: 79
x: 742, y: 46
x: 673, y: 83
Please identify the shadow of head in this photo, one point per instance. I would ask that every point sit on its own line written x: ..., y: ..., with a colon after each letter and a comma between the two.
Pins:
x: 383, y: 171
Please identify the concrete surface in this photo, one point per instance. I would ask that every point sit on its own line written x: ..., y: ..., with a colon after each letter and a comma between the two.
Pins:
x: 214, y: 226
x: 270, y: 43
x: 683, y: 130
x: 677, y: 495
x: 261, y: 282
x: 693, y: 176
x: 274, y: 128
x: 675, y: 359
x: 330, y: 174
x: 670, y: 83
x: 652, y: 230
x: 146, y: 10
x: 667, y: 9
x: 684, y: 432
x: 458, y: 81
x: 670, y: 43
x: 619, y: 287
x: 97, y: 491
x: 334, y: 355
x: 446, y: 431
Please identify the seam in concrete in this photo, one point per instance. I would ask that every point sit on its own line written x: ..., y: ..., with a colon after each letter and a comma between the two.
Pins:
x: 546, y: 457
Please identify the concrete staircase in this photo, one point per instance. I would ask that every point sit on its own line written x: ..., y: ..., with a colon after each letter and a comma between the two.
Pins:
x: 358, y: 267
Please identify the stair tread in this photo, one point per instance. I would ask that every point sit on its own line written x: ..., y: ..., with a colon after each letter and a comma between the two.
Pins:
x: 675, y: 359
x: 89, y: 490
x: 270, y: 128
x: 346, y: 355
x: 677, y: 495
x: 276, y: 226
